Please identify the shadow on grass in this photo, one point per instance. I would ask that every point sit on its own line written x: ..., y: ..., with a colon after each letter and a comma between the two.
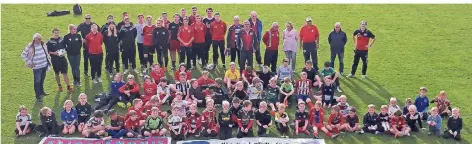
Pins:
x: 362, y: 94
x: 380, y: 90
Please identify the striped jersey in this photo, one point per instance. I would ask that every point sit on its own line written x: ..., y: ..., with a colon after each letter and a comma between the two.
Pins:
x: 183, y: 87
x: 304, y: 87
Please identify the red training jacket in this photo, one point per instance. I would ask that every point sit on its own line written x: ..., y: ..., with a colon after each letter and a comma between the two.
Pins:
x: 199, y: 30
x: 218, y: 30
x: 94, y: 42
x: 147, y: 35
x: 271, y: 39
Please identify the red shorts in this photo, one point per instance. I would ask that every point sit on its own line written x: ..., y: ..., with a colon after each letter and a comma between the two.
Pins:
x: 174, y: 45
x: 319, y: 126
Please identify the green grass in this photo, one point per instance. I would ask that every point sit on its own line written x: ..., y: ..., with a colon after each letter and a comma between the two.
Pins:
x: 417, y: 45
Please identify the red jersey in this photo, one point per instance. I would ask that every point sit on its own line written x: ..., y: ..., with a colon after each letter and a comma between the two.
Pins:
x: 209, y: 119
x: 202, y: 82
x: 185, y: 34
x: 94, y: 42
x: 149, y: 91
x: 309, y: 33
x: 335, y: 119
x: 138, y: 111
x: 398, y: 122
x: 193, y: 19
x: 249, y: 76
x: 132, y: 125
x: 193, y: 120
x: 149, y: 105
x: 316, y: 117
x: 157, y: 75
x: 304, y: 87
x: 199, y: 30
x: 147, y: 35
x: 218, y: 30
x: 132, y: 88
x: 363, y: 38
x: 271, y: 39
x: 177, y: 75
x: 166, y: 24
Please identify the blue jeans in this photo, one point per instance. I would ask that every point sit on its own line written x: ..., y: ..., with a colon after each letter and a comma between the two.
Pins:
x: 39, y: 76
x: 75, y: 65
x: 292, y: 57
x: 116, y: 134
x: 341, y: 60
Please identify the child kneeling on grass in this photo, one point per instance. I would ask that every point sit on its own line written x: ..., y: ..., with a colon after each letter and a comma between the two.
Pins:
x: 133, y: 126
x: 454, y: 125
x: 48, y: 125
x: 84, y: 110
x: 116, y: 129
x: 434, y: 122
x: 154, y: 124
x: 24, y: 124
x: 352, y: 121
x: 69, y: 118
x: 398, y: 125
x: 371, y: 121
x: 335, y: 121
x: 95, y: 127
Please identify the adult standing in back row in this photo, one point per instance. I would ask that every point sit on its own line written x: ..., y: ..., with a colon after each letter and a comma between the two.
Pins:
x: 256, y: 25
x: 73, y: 43
x: 310, y: 42
x: 218, y: 32
x: 361, y: 38
x: 84, y: 29
x: 337, y: 39
x: 94, y: 41
x: 207, y: 21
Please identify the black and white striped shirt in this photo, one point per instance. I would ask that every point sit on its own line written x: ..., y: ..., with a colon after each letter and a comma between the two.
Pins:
x: 183, y: 87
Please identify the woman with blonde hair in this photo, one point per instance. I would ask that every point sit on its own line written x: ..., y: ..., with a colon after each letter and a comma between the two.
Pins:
x: 111, y: 44
x: 290, y: 38
x: 73, y: 43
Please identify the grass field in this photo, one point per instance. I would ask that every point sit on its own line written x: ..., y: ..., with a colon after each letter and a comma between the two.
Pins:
x: 417, y: 45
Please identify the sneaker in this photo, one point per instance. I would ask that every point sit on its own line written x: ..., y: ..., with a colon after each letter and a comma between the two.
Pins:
x: 111, y: 75
x: 267, y: 132
x: 126, y: 71
x: 363, y: 77
x: 121, y: 104
x: 377, y: 132
x: 339, y: 89
x: 260, y: 66
x: 334, y: 136
x: 316, y: 136
x: 342, y: 74
x: 407, y: 134
x: 199, y: 61
x: 361, y: 131
x: 99, y: 79
x: 135, y: 71
x: 59, y: 89
x: 79, y: 84
x: 144, y: 71
x: 86, y: 74
x: 94, y: 81
x: 350, y: 75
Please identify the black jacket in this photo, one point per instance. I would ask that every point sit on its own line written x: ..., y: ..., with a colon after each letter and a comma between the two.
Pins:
x: 127, y: 36
x: 48, y: 121
x: 53, y: 46
x: 412, y: 121
x: 73, y: 43
x: 454, y: 124
x: 85, y: 29
x: 370, y: 120
x: 104, y: 30
x: 160, y: 36
x: 337, y: 40
x: 121, y: 24
x: 224, y: 119
x: 111, y: 43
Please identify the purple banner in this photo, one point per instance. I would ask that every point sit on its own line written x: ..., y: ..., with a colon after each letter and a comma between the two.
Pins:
x: 61, y: 140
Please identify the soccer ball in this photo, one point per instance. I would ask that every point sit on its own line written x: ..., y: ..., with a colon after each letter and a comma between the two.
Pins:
x: 61, y: 52
x: 210, y: 67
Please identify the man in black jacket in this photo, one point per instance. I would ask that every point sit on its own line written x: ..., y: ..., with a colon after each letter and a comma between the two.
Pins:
x: 127, y: 40
x: 84, y: 29
x: 337, y: 39
x: 160, y: 39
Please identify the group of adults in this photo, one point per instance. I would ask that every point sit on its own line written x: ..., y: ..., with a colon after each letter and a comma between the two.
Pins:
x: 191, y: 36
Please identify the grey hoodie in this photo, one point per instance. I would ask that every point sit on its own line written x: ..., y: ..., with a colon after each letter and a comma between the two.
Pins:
x: 337, y: 40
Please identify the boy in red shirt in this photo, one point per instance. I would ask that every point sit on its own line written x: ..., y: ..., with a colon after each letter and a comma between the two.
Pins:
x: 150, y: 89
x: 398, y: 125
x: 154, y: 102
x: 335, y: 120
x: 133, y: 125
x: 193, y: 121
x: 157, y: 73
x: 210, y: 127
x: 186, y: 37
x: 204, y: 81
x: 139, y: 109
x: 199, y: 41
x: 129, y: 91
x: 149, y: 48
x: 218, y: 32
x: 316, y: 117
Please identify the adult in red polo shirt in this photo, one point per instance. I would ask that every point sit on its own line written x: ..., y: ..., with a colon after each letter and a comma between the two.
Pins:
x: 247, y: 44
x: 218, y: 32
x: 199, y: 30
x: 185, y: 36
x: 309, y: 40
x: 149, y: 48
x: 271, y: 40
x: 361, y: 38
x: 94, y: 42
x: 204, y: 81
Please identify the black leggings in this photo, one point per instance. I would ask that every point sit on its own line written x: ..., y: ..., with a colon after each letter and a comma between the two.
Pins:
x: 113, y: 58
x: 96, y: 62
x: 128, y: 99
x: 162, y: 54
x: 218, y: 45
x: 129, y: 57
x: 199, y: 51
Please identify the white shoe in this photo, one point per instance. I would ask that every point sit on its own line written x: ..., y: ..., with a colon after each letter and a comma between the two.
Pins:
x: 126, y: 71
x: 99, y: 79
x: 144, y: 71
x: 363, y: 77
x: 361, y: 132
x: 342, y: 74
x: 111, y: 75
x: 199, y: 61
x: 94, y: 81
x: 339, y: 89
x: 350, y: 76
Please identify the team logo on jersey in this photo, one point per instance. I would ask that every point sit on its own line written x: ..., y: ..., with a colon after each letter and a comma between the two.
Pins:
x: 71, y: 39
x: 365, y: 34
x: 216, y: 26
x: 157, y: 32
x: 164, y: 33
x: 76, y: 39
x: 250, y: 33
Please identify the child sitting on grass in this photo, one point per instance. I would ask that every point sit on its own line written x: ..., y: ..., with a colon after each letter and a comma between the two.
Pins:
x: 116, y: 129
x: 412, y: 118
x: 352, y: 121
x: 371, y: 121
x: 327, y: 92
x: 220, y: 92
x: 273, y: 91
x: 442, y: 104
x: 286, y: 90
x: 245, y: 120
x: 234, y: 110
x: 163, y: 91
x: 301, y: 120
x: 95, y: 127
x: 176, y: 125
x: 48, y: 125
x: 255, y: 92
x: 304, y: 88
x: 69, y: 118
x: 393, y: 107
x: 422, y: 103
x: 281, y: 120
x: 129, y: 92
x: 239, y: 91
x: 84, y: 110
x: 335, y: 121
x: 196, y: 93
x: 193, y: 121
x: 316, y: 117
x: 181, y: 104
x: 454, y: 125
x: 343, y: 105
x: 398, y: 125
x: 263, y: 119
x: 132, y: 124
x: 139, y: 109
x: 434, y: 122
x: 225, y: 121
x: 24, y: 124
x: 150, y: 89
x: 154, y: 124
x: 384, y: 118
x: 210, y: 126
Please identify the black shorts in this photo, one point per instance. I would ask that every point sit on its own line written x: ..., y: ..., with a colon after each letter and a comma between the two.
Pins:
x: 60, y: 66
x: 151, y: 49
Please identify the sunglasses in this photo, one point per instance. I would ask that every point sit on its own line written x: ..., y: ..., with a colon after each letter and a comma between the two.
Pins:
x: 88, y: 18
x: 285, y: 61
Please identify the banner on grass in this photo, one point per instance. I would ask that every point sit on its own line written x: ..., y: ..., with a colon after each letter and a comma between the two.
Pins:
x: 255, y: 140
x: 62, y: 140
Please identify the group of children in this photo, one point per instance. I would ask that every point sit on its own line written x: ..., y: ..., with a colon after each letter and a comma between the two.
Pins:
x: 244, y: 103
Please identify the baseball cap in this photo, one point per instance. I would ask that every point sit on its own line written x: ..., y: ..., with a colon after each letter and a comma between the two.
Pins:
x: 308, y: 19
